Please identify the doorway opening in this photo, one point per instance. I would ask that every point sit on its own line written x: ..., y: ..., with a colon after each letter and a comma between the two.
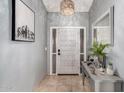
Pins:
x: 67, y: 49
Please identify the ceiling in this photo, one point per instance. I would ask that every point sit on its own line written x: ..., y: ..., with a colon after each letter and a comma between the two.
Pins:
x: 80, y: 5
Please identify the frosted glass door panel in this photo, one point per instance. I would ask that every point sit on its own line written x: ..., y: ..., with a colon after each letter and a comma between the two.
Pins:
x: 54, y: 51
x: 54, y: 63
x: 81, y: 40
x: 82, y: 45
x: 54, y: 40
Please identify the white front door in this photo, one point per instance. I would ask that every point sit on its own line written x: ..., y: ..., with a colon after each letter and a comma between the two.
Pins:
x: 68, y: 48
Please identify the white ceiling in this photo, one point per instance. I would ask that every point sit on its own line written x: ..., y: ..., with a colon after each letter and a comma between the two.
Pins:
x: 80, y: 5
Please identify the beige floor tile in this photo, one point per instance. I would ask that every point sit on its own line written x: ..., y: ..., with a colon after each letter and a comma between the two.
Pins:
x: 78, y: 90
x: 64, y: 88
x: 47, y: 89
x: 63, y: 83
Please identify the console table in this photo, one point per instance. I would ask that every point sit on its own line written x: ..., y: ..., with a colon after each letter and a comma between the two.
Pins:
x: 101, y: 83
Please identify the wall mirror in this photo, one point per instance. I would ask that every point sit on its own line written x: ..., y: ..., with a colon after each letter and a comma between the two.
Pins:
x: 103, y: 28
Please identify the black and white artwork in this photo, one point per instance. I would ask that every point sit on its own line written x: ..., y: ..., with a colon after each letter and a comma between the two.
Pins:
x: 23, y: 22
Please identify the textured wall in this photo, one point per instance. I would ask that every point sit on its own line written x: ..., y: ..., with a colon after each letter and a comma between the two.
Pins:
x: 118, y: 49
x: 56, y: 19
x: 117, y: 54
x: 22, y: 64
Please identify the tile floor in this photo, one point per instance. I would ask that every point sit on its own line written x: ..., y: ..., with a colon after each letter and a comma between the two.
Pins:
x: 63, y: 83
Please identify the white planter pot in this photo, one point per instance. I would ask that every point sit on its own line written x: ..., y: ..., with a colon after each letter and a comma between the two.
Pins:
x: 109, y: 70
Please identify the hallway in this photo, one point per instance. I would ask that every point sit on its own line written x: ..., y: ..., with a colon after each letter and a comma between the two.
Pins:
x: 63, y: 83
x: 40, y: 38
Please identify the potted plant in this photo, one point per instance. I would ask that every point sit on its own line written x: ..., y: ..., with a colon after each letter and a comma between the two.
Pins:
x: 98, y: 51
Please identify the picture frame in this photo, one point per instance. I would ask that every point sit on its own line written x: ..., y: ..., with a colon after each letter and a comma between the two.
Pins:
x: 23, y: 22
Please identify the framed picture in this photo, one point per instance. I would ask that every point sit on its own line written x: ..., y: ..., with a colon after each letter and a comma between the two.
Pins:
x: 23, y: 22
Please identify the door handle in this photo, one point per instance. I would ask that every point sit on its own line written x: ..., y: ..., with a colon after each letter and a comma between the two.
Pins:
x: 59, y: 52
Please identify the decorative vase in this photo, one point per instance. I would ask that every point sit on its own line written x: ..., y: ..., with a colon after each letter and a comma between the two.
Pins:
x: 101, y: 69
x: 109, y: 70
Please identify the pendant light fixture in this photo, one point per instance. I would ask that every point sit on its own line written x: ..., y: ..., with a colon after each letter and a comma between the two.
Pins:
x: 67, y: 7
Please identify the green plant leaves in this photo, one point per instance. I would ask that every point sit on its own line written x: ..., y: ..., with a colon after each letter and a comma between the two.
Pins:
x: 98, y: 49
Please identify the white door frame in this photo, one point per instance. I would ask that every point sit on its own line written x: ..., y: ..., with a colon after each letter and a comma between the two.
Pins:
x: 85, y: 43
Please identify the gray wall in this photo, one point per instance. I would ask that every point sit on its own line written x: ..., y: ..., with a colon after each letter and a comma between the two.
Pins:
x: 117, y: 54
x: 22, y: 64
x: 56, y: 19
x: 118, y: 49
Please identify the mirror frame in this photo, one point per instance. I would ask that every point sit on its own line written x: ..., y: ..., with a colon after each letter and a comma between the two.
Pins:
x: 111, y: 21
